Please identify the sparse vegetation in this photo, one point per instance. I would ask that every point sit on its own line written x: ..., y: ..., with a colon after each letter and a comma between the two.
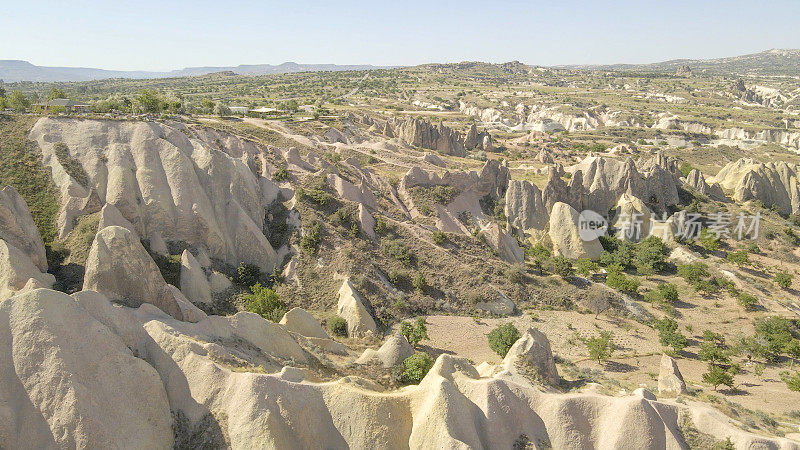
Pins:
x: 502, y: 338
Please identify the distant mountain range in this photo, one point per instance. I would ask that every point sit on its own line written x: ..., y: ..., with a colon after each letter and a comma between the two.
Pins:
x: 14, y: 70
x: 771, y: 62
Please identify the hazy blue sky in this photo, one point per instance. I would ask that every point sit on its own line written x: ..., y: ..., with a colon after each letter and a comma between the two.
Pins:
x: 163, y: 35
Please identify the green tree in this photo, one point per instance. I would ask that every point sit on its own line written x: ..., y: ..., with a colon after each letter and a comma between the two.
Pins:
x: 668, y: 334
x: 18, y: 101
x: 502, y: 338
x: 415, y: 367
x: 601, y: 347
x: 792, y: 380
x: 740, y: 258
x: 338, y: 326
x: 149, y: 101
x: 621, y: 282
x: 265, y: 302
x: 717, y: 376
x: 586, y: 266
x: 248, y: 274
x: 56, y: 93
x: 419, y: 282
x: 416, y: 332
x: 650, y: 256
x: 783, y: 279
x: 439, y: 237
x: 774, y: 333
x: 694, y: 272
x: 562, y: 267
x: 748, y: 301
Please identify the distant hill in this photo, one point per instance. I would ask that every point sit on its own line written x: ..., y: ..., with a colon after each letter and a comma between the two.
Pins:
x: 15, y: 70
x: 771, y: 62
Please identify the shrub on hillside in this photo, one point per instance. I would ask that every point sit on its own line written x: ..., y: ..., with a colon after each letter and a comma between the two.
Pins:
x: 416, y: 332
x: 621, y: 282
x: 248, y: 274
x: 338, y: 326
x: 502, y: 338
x: 413, y: 369
x: 783, y: 279
x: 265, y: 302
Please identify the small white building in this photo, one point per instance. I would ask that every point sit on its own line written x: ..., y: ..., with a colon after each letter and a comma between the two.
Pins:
x: 239, y: 109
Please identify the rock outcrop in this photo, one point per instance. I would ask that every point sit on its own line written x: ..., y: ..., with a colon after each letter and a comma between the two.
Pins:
x: 504, y: 244
x: 772, y: 183
x: 633, y: 219
x: 564, y: 235
x: 18, y: 229
x: 190, y: 184
x: 68, y: 381
x: 50, y: 343
x: 110, y: 216
x: 18, y: 272
x: 532, y: 352
x: 394, y: 351
x: 300, y: 321
x: 421, y: 133
x: 119, y: 267
x: 351, y: 307
x: 194, y: 284
x: 524, y: 207
x: 697, y: 181
x: 670, y: 381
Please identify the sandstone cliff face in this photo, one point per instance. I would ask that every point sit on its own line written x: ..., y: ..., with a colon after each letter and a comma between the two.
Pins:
x: 697, y: 181
x: 17, y: 227
x: 565, y: 237
x: 194, y: 185
x: 524, y: 207
x: 119, y: 267
x: 773, y: 183
x: 51, y: 343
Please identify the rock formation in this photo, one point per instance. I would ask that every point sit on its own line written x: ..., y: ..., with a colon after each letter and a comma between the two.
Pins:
x: 772, y: 183
x: 565, y: 237
x: 194, y: 284
x: 18, y: 229
x: 394, y: 351
x: 195, y: 185
x: 696, y: 181
x: 119, y: 267
x: 633, y: 219
x: 532, y: 351
x: 18, y: 272
x: 524, y: 208
x: 351, y: 308
x: 670, y: 381
x: 300, y: 321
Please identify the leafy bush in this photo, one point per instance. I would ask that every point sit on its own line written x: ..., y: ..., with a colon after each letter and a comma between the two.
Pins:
x: 621, y: 282
x: 650, y: 256
x: 248, y: 274
x: 668, y: 334
x: 783, y: 279
x: 398, y: 250
x: 708, y: 240
x: 562, y: 266
x: 281, y: 174
x: 694, y: 272
x: 338, y: 326
x: 265, y: 302
x: 748, y: 301
x: 419, y: 282
x: 502, y: 338
x: 740, y: 258
x: 439, y: 237
x: 792, y: 380
x: 775, y: 334
x: 317, y: 196
x: 416, y: 332
x: 666, y: 294
x: 311, y: 238
x: 710, y: 351
x: 415, y: 367
x: 382, y: 227
x: 586, y: 266
x: 398, y: 277
x: 601, y: 347
x: 716, y: 376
